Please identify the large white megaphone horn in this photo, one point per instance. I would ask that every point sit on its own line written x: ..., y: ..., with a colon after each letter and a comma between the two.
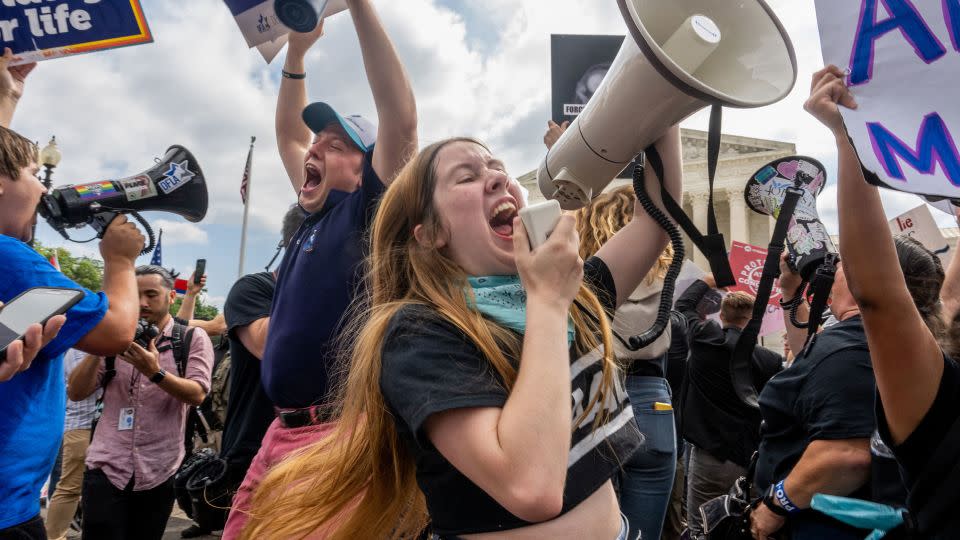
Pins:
x: 683, y: 56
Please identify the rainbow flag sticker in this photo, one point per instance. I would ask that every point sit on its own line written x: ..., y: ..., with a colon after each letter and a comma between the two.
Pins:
x: 96, y: 190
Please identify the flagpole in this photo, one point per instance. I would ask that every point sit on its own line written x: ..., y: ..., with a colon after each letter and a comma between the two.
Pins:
x: 247, y: 173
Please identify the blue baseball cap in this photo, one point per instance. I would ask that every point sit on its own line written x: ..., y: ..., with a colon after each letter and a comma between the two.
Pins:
x: 362, y: 132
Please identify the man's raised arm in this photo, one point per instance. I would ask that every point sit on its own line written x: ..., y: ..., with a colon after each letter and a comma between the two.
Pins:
x: 392, y: 93
x: 293, y: 136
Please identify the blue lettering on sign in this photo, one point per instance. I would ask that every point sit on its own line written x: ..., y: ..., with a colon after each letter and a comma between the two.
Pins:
x: 934, y: 145
x: 951, y: 13
x: 25, y: 27
x: 904, y: 17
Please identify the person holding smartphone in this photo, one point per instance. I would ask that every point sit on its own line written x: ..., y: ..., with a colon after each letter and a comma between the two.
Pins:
x: 20, y: 353
x: 33, y: 401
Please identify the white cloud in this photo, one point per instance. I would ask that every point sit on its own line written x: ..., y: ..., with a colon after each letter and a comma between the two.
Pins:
x: 478, y: 67
x: 177, y: 232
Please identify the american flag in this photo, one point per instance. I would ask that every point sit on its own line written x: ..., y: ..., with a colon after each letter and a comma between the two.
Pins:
x: 157, y: 259
x: 245, y: 183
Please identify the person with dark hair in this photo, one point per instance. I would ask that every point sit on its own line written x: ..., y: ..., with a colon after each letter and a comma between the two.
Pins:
x: 33, y: 393
x: 722, y: 430
x: 896, y: 284
x: 139, y: 443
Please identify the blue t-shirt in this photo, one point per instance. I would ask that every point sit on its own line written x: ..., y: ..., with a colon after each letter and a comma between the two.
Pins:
x: 34, y: 402
x: 318, y: 279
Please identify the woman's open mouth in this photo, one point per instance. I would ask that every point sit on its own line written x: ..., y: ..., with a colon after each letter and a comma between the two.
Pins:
x: 501, y: 219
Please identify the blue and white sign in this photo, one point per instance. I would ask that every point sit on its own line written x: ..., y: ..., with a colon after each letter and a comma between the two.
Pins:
x: 43, y: 29
x: 903, y: 59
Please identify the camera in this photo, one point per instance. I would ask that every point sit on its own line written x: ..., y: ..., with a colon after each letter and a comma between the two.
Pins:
x: 146, y: 333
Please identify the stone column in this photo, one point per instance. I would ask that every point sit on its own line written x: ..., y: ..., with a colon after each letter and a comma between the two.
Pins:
x: 699, y: 203
x: 738, y: 216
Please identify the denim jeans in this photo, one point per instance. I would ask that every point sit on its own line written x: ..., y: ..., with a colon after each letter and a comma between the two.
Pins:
x: 647, y: 477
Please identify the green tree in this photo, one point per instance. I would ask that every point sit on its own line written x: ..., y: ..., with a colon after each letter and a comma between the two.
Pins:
x: 85, y: 271
x: 202, y: 311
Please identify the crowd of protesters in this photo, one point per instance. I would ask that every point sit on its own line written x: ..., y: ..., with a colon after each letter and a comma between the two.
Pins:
x: 413, y: 369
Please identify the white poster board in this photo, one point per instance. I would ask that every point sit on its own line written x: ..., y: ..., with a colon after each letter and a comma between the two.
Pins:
x: 904, y: 70
x: 262, y: 29
x: 919, y: 224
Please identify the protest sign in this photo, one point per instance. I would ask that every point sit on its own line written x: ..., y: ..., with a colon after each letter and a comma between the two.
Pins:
x: 578, y: 65
x: 262, y: 29
x: 746, y: 261
x: 40, y: 30
x: 919, y: 224
x: 903, y: 61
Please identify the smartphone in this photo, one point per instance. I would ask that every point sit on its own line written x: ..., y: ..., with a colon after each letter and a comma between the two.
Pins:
x: 199, y: 270
x: 35, y: 305
x: 539, y: 220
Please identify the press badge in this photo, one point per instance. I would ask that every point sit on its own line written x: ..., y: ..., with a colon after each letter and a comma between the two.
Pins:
x: 126, y: 419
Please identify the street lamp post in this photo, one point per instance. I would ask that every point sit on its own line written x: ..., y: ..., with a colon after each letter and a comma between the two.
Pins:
x: 49, y: 157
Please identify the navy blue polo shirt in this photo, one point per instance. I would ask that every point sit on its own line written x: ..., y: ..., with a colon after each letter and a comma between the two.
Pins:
x: 320, y: 275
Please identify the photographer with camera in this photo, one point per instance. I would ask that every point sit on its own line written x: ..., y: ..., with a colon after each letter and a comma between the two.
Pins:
x: 137, y: 446
x: 33, y: 400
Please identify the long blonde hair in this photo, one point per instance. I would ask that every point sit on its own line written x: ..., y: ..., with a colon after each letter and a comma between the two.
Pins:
x: 360, y: 482
x: 607, y: 214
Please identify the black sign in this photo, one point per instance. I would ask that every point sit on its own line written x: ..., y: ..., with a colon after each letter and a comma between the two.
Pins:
x: 578, y: 63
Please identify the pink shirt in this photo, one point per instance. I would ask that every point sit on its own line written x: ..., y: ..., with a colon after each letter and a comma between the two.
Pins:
x: 152, y: 450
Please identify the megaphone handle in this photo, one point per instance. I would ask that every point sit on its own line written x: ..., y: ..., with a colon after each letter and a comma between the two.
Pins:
x: 102, y: 220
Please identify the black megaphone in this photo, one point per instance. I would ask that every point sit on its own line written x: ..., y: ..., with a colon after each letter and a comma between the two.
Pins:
x: 175, y: 184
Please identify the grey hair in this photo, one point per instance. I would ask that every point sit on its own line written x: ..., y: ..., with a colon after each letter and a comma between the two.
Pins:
x: 154, y: 270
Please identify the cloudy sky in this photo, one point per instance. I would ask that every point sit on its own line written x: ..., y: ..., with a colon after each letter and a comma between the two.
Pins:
x: 479, y: 67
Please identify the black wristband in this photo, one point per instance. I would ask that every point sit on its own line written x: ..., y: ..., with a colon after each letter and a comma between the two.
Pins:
x: 297, y: 76
x: 157, y: 377
x: 773, y: 506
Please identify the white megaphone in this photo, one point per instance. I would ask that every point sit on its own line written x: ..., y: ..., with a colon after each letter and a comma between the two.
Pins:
x: 683, y: 56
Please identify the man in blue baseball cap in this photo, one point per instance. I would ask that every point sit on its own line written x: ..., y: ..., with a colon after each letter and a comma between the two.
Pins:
x: 339, y: 166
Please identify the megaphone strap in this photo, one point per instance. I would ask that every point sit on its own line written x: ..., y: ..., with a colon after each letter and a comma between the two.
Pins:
x: 712, y: 245
x: 740, y: 364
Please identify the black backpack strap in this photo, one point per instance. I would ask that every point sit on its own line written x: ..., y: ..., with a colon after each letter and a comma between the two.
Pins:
x: 712, y: 245
x: 741, y: 366
x: 110, y: 363
x: 933, y: 495
x: 181, y: 337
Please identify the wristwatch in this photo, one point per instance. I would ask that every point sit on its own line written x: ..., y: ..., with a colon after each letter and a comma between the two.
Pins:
x: 158, y: 376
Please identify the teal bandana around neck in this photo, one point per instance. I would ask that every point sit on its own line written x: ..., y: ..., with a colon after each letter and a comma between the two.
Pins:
x: 503, y: 299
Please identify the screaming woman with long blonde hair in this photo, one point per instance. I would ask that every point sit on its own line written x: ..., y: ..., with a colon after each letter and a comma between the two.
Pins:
x: 482, y: 397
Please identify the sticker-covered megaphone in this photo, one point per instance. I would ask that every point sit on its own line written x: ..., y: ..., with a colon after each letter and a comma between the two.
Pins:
x: 807, y: 241
x: 680, y: 57
x: 175, y: 184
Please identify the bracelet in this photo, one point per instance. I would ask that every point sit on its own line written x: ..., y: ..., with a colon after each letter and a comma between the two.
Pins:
x: 297, y: 76
x: 781, y: 494
x: 774, y: 507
